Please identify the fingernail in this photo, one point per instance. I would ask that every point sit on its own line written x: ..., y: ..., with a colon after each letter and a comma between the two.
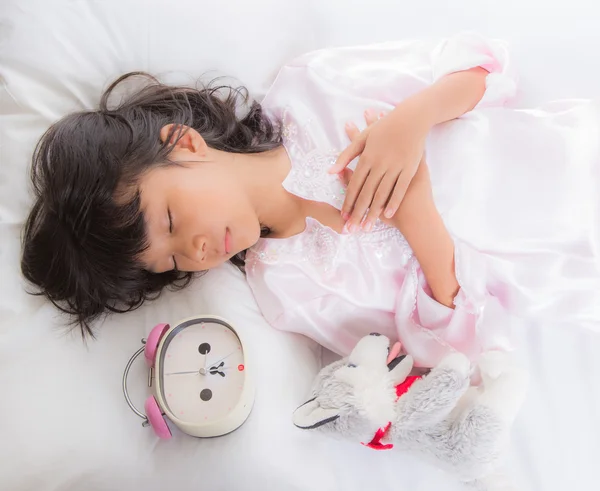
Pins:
x: 389, y: 213
x: 368, y: 226
x: 345, y: 216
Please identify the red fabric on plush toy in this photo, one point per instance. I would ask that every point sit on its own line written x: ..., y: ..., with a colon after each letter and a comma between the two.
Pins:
x: 401, y: 389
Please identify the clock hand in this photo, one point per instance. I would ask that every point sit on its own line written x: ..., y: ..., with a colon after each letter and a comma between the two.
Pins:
x: 216, y: 367
x: 203, y: 369
x: 219, y: 361
x: 182, y: 373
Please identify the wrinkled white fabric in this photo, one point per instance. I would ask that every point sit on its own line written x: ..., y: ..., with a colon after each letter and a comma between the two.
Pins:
x: 517, y: 190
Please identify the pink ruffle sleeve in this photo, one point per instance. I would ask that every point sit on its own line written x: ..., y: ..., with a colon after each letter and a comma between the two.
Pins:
x: 469, y: 50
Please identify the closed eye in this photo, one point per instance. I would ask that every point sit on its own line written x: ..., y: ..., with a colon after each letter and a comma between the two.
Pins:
x: 351, y: 365
x: 171, y: 231
x: 170, y: 221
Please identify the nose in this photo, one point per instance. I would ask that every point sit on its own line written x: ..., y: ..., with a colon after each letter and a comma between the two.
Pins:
x: 198, y: 248
x: 374, y: 334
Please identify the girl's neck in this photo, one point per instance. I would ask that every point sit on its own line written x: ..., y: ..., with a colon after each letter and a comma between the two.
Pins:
x: 263, y: 175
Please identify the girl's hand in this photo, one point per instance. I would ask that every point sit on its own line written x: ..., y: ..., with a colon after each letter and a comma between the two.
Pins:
x: 390, y: 150
x: 420, y: 185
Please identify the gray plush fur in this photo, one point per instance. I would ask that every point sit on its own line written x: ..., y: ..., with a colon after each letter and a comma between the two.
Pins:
x: 461, y: 428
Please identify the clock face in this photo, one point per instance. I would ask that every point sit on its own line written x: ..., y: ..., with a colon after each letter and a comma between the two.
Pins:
x: 202, y: 371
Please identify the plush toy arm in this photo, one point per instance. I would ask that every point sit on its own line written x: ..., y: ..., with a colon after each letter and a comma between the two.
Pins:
x: 431, y: 399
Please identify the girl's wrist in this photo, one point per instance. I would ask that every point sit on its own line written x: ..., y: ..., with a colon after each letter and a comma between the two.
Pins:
x: 447, y: 99
x: 418, y: 112
x: 417, y: 203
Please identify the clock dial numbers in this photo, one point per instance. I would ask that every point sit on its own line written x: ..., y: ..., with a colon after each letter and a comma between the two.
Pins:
x: 203, y: 367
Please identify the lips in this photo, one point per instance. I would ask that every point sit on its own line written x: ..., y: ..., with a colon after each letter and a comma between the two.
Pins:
x: 227, y: 241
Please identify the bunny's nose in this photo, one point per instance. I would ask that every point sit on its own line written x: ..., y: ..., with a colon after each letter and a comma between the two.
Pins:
x: 374, y: 334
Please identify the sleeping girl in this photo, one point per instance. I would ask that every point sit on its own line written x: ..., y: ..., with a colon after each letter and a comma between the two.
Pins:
x: 460, y: 213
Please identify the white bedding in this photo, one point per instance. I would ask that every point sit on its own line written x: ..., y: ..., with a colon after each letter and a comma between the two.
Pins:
x: 64, y: 425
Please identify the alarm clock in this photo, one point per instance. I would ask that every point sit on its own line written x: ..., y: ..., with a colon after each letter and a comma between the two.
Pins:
x: 199, y: 375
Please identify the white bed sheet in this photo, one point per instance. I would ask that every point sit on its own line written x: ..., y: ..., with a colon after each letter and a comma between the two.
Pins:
x: 64, y: 425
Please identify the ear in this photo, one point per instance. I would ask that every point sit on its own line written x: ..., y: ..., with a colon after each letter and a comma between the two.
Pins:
x: 184, y: 138
x: 402, y: 370
x: 311, y: 415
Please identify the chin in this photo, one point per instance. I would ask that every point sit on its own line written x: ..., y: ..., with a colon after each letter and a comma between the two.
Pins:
x: 253, y: 239
x: 243, y: 238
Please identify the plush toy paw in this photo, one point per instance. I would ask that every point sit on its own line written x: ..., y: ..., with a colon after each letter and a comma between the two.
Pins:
x: 493, y: 363
x: 457, y: 362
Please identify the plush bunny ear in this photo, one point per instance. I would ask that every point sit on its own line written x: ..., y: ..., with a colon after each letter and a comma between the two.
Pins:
x: 311, y: 415
x: 402, y: 370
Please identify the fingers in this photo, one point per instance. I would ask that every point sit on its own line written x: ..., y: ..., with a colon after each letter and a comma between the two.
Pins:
x: 349, y: 154
x: 346, y: 176
x: 352, y: 131
x: 371, y: 116
x: 360, y: 194
x: 398, y: 195
x: 362, y: 186
x: 365, y: 199
x: 357, y: 139
x: 355, y: 187
x: 386, y: 186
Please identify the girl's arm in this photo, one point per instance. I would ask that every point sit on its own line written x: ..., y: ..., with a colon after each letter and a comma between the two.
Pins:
x: 423, y: 228
x: 448, y: 98
x: 417, y: 217
x: 391, y: 149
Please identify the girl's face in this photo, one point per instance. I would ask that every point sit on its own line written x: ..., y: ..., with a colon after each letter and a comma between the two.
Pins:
x: 197, y: 213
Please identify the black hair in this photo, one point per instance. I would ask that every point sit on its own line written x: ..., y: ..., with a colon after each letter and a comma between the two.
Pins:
x: 81, y: 244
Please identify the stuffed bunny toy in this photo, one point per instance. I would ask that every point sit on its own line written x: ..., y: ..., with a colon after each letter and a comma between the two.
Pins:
x: 371, y: 397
